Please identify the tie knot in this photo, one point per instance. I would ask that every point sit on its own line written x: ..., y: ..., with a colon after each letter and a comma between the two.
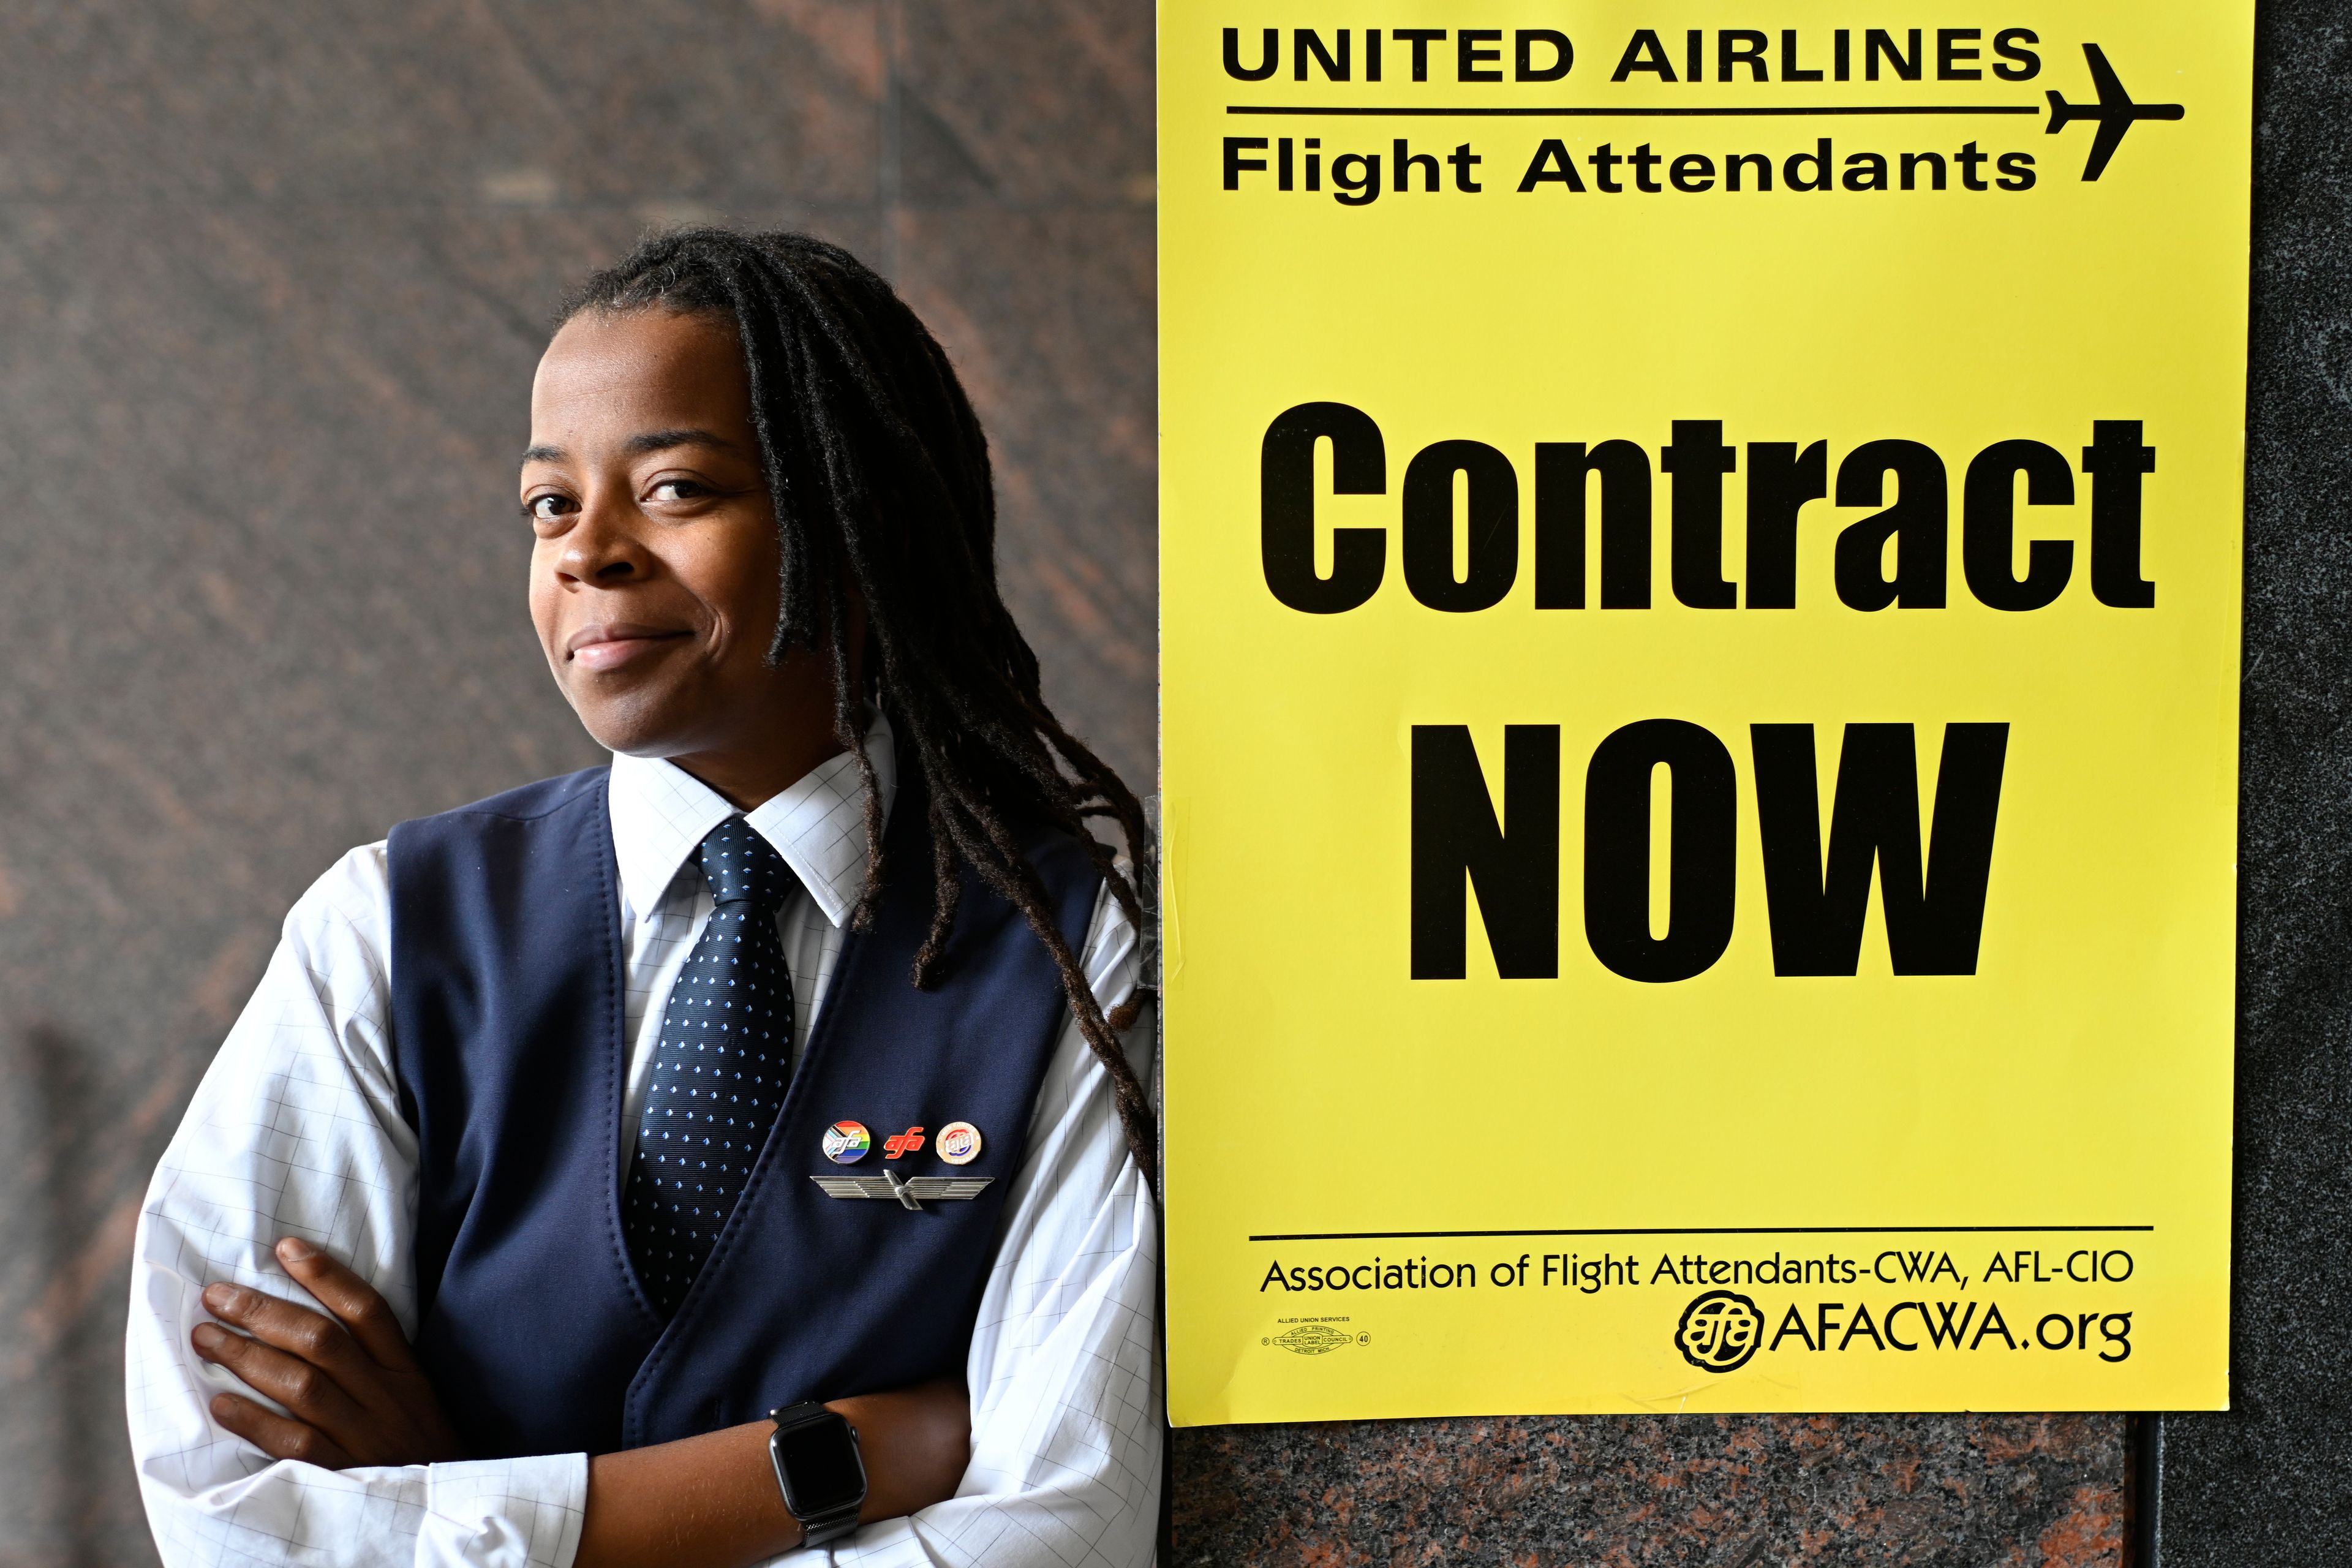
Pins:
x: 743, y: 867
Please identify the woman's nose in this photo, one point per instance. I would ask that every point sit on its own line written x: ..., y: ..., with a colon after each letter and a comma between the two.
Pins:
x: 601, y: 550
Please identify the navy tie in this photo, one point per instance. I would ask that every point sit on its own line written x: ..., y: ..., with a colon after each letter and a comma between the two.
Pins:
x: 719, y: 1067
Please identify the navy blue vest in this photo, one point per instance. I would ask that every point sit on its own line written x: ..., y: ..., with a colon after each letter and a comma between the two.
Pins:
x: 507, y: 1040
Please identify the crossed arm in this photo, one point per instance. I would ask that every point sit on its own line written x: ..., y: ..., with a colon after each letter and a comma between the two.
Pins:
x: 354, y: 1395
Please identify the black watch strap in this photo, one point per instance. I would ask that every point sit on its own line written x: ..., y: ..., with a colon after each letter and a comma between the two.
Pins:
x: 842, y: 1468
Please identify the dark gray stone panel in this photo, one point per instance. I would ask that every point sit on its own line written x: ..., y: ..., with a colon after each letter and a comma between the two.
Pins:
x: 2270, y: 1481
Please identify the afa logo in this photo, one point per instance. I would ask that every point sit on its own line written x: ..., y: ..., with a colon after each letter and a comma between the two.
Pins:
x: 1719, y: 1331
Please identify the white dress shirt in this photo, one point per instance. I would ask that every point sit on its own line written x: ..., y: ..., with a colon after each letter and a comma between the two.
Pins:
x: 297, y: 1131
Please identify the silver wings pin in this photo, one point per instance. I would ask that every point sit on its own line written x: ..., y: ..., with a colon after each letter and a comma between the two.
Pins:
x: 911, y: 1191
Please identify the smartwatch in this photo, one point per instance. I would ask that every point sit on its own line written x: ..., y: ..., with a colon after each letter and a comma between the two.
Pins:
x: 818, y: 1466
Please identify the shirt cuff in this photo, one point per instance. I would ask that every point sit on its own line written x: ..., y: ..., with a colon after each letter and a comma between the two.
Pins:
x: 504, y: 1514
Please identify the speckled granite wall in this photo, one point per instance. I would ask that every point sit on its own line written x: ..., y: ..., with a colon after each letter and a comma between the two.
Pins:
x: 270, y: 284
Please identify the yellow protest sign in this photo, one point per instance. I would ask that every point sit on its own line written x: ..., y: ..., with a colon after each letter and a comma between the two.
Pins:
x: 1700, y: 599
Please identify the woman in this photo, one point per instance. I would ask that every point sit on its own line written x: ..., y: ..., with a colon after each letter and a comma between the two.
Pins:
x: 587, y: 1154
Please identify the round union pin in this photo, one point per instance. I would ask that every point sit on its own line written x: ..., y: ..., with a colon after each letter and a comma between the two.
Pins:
x: 845, y: 1142
x: 957, y: 1143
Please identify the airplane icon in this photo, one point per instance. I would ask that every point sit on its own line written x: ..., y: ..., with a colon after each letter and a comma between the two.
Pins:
x: 2114, y: 112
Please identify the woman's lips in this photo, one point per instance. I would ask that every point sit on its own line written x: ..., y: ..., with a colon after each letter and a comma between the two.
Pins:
x: 611, y: 647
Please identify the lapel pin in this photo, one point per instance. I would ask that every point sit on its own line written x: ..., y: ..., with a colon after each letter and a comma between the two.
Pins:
x: 957, y: 1143
x: 846, y: 1143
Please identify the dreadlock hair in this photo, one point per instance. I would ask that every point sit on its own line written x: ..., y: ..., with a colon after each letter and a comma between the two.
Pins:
x: 879, y: 476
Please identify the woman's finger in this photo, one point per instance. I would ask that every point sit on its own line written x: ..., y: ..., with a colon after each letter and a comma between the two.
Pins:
x: 277, y: 1437
x: 310, y: 1336
x: 353, y: 1301
x: 306, y: 1390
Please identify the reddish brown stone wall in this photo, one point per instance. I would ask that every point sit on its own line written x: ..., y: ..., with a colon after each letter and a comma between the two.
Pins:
x: 1693, y: 1491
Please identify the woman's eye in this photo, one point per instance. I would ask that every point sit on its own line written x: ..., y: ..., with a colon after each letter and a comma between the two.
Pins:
x: 545, y: 508
x: 678, y: 489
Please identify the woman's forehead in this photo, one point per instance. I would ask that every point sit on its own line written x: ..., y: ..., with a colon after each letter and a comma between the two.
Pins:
x: 650, y: 368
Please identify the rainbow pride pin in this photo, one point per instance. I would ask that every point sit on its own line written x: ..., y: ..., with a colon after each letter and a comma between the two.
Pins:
x: 846, y: 1143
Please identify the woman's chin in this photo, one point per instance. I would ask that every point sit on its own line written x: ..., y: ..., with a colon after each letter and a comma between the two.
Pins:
x: 635, y: 724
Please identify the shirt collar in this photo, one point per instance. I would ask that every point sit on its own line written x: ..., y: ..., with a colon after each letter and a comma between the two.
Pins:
x: 660, y: 814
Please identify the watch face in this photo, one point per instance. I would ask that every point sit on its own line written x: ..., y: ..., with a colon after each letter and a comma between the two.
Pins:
x: 820, y: 1468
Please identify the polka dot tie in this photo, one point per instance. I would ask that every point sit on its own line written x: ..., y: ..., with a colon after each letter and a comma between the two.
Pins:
x: 719, y: 1067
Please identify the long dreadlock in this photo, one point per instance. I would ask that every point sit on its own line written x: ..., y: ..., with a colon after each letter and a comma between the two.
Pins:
x: 879, y: 475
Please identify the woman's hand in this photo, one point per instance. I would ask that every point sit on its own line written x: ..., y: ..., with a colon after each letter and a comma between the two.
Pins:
x: 347, y: 1377
x: 355, y: 1396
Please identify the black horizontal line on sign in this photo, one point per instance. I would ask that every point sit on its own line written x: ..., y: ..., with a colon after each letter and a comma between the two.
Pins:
x: 1700, y: 1230
x: 1587, y: 112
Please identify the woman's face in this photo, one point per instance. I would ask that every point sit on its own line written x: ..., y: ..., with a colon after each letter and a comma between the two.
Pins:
x: 653, y: 577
